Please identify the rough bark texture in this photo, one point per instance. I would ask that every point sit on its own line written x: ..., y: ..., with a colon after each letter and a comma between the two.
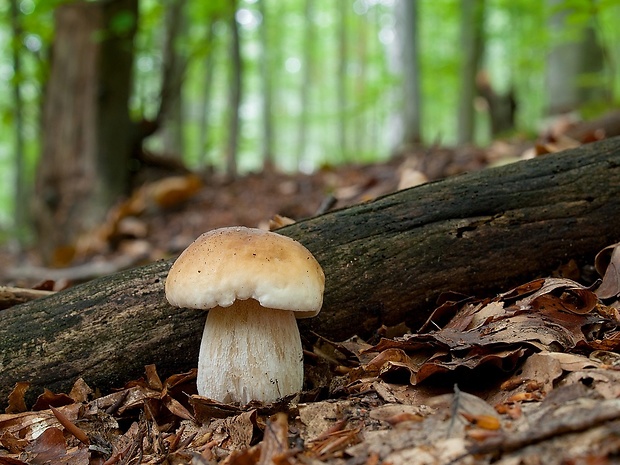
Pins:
x: 87, y: 135
x: 385, y: 261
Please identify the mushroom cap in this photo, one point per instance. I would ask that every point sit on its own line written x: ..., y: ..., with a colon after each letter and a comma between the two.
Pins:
x: 227, y: 264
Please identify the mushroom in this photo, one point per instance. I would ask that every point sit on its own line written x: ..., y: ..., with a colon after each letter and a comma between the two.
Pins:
x: 255, y: 284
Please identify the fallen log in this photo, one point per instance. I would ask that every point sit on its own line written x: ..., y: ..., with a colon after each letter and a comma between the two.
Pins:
x: 386, y: 261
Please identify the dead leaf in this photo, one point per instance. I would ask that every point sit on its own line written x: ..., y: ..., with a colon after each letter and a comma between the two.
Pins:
x: 387, y: 360
x: 48, y: 398
x: 176, y: 408
x: 397, y: 413
x: 240, y: 430
x: 80, y: 391
x: 607, y: 264
x: 279, y: 221
x: 319, y: 417
x: 152, y: 378
x: 49, y: 447
x: 274, y: 446
x: 17, y: 402
x: 173, y: 190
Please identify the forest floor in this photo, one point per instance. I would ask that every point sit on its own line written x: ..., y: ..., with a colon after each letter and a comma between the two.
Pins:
x: 520, y: 394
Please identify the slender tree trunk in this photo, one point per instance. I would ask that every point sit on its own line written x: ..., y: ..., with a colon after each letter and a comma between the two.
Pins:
x: 361, y: 139
x: 266, y: 84
x: 234, y: 97
x: 19, y: 189
x: 88, y: 138
x: 385, y: 262
x: 207, y: 88
x: 412, y: 119
x: 306, y: 86
x: 472, y: 33
x: 174, y: 65
x: 342, y: 77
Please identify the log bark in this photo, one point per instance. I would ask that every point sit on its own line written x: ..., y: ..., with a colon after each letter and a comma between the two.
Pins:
x: 385, y: 261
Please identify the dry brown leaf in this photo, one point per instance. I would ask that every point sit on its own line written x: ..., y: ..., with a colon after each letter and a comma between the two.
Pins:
x: 176, y: 408
x: 274, y: 446
x: 607, y: 264
x: 240, y: 430
x: 172, y: 191
x: 49, y: 447
x: 383, y: 362
x: 152, y: 378
x: 80, y: 391
x: 49, y: 398
x: 17, y: 402
x: 397, y: 413
x: 279, y: 221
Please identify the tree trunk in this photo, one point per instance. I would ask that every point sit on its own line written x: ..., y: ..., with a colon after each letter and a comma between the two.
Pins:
x: 19, y: 193
x: 171, y: 108
x: 385, y: 262
x: 234, y: 95
x: 342, y: 78
x: 306, y: 85
x: 412, y: 105
x: 472, y: 34
x: 87, y: 133
x: 266, y: 79
x: 206, y: 100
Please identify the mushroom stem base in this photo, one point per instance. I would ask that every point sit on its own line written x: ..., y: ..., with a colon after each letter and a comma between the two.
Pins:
x: 249, y: 352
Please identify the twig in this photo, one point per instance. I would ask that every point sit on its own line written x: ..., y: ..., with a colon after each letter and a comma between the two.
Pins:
x: 10, y: 296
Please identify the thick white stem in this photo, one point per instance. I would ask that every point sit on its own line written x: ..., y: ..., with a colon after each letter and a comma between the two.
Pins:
x: 249, y: 352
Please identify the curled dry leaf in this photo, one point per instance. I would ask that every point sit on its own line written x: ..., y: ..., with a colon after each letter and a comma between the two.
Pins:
x: 607, y: 264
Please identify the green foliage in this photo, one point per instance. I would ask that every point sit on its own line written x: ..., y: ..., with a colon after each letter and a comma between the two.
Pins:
x: 517, y: 42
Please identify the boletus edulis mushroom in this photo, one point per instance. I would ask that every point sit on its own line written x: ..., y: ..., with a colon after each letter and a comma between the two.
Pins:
x: 255, y: 284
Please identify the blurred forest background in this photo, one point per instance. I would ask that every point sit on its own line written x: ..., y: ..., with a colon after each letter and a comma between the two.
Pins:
x: 91, y: 91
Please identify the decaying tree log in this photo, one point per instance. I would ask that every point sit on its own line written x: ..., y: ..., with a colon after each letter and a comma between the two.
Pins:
x: 386, y: 261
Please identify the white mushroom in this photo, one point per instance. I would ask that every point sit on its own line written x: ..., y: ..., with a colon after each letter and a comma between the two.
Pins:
x: 255, y: 283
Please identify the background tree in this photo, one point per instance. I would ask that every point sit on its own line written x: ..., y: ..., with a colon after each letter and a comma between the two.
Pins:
x: 234, y: 93
x: 472, y: 44
x: 307, y: 69
x: 88, y: 137
x: 20, y: 214
x: 174, y: 63
x: 576, y: 63
x: 266, y: 85
x: 204, y: 110
x: 341, y: 76
x: 410, y: 62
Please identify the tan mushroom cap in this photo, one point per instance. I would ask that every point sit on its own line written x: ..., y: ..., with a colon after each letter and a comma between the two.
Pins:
x: 233, y: 263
